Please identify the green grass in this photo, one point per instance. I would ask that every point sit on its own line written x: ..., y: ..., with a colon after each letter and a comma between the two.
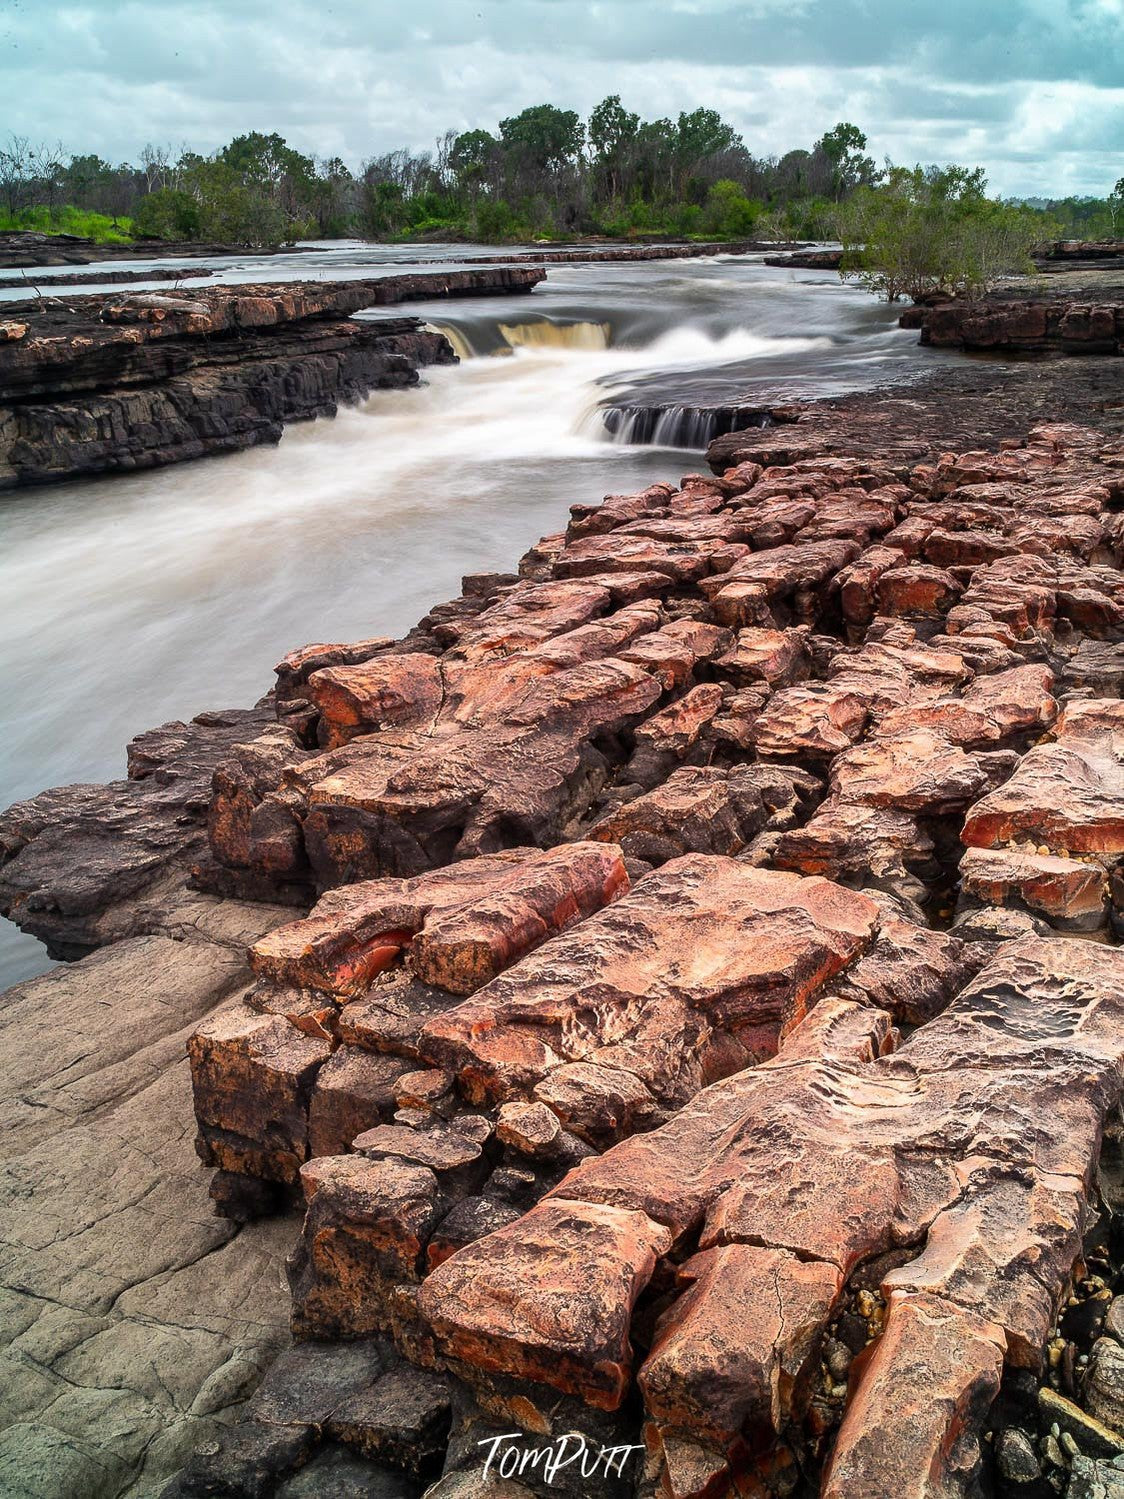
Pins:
x: 69, y: 220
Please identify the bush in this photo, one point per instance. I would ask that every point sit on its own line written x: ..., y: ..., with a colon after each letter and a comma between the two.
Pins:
x: 928, y: 230
x: 168, y: 214
x: 495, y: 221
x: 728, y: 213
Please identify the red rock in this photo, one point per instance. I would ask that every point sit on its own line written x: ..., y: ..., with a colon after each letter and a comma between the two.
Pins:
x: 1066, y: 796
x: 1063, y: 890
x: 916, y: 590
x: 740, y: 1343
x: 704, y: 945
x: 913, y: 1427
x: 388, y: 691
x: 364, y: 1234
x: 462, y: 924
x: 353, y: 1091
x: 910, y: 772
x: 772, y: 656
x: 251, y: 1076
x: 492, y: 1307
x: 820, y: 719
x: 674, y: 729
x: 991, y: 710
x: 704, y: 810
x: 981, y: 1131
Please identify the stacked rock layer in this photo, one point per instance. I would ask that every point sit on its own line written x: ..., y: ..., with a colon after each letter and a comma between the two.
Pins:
x: 702, y: 1008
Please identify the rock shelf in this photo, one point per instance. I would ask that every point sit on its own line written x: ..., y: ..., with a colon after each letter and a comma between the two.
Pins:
x: 105, y: 384
x: 698, y: 1013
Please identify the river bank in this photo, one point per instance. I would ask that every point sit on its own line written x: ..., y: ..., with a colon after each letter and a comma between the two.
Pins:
x: 701, y: 681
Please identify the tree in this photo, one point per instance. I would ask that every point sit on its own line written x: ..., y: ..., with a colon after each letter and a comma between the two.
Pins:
x: 1115, y: 203
x: 545, y: 137
x: 612, y: 131
x: 843, y: 147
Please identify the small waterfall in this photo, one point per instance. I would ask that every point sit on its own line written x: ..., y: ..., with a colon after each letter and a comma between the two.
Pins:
x: 690, y: 427
x: 476, y: 338
x: 547, y: 335
x: 461, y: 346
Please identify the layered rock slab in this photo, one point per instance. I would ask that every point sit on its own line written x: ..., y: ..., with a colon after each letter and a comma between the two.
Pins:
x: 976, y: 1139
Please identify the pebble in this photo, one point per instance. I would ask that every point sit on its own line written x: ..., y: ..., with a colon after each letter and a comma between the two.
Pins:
x: 1016, y: 1458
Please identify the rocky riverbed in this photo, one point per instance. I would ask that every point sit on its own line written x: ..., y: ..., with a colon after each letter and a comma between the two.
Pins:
x: 682, y: 1007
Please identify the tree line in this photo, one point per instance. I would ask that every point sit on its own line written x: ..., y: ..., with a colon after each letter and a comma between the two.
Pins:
x: 544, y: 173
x: 547, y: 174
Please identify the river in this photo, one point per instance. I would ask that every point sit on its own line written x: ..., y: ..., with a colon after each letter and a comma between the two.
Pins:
x: 136, y: 599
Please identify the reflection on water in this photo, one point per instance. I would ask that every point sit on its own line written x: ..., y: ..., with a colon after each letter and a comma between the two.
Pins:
x: 137, y: 599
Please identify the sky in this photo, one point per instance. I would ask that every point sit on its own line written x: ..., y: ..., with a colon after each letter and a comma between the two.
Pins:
x: 1032, y: 90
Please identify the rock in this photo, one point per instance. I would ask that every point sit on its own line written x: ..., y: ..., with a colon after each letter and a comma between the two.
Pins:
x: 1062, y: 890
x: 1015, y: 1457
x: 402, y: 1419
x: 494, y: 1309
x: 703, y: 950
x: 1092, y: 1436
x: 337, y: 1472
x: 1090, y: 1479
x: 136, y: 1322
x: 705, y: 810
x: 1065, y: 796
x: 352, y: 1092
x: 1104, y: 1383
x: 736, y: 1343
x: 913, y: 1426
x: 87, y: 865
x: 460, y: 925
x: 251, y: 1077
x: 113, y: 385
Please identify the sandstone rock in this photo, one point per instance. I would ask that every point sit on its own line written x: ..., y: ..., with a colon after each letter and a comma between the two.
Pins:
x: 493, y: 1309
x: 704, y: 946
x: 736, y: 1343
x: 705, y: 810
x: 251, y: 1078
x: 1066, y: 796
x: 352, y: 1092
x: 1062, y: 890
x: 461, y: 924
x: 364, y: 1233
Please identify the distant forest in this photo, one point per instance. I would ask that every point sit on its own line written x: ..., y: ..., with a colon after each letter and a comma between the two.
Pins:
x: 544, y: 174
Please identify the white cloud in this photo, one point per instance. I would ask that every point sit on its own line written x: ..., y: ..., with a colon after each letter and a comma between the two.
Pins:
x: 1026, y: 88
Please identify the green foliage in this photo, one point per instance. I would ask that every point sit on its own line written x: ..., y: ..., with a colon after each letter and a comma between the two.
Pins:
x: 66, y: 219
x: 728, y: 213
x: 928, y: 230
x: 167, y: 213
x: 546, y: 137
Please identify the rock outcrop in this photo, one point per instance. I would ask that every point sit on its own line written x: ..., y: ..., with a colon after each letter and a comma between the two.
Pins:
x: 701, y: 1014
x: 118, y: 384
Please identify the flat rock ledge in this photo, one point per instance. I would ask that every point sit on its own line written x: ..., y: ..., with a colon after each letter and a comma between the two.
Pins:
x: 672, y: 996
x: 105, y: 384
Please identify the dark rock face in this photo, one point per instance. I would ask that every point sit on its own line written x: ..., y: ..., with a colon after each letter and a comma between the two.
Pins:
x: 156, y: 378
x: 83, y: 866
x: 1065, y: 323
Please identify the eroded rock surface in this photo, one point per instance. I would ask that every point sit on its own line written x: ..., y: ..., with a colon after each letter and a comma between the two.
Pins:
x: 709, y: 1011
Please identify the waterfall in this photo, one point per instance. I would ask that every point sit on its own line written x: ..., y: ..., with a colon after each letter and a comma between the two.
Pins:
x: 544, y: 334
x: 490, y: 338
x: 690, y: 427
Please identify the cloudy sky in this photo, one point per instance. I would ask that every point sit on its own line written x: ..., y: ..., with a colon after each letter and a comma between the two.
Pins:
x: 1031, y: 89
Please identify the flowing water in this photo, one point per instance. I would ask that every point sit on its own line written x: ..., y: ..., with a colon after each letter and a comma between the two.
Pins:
x: 132, y: 600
